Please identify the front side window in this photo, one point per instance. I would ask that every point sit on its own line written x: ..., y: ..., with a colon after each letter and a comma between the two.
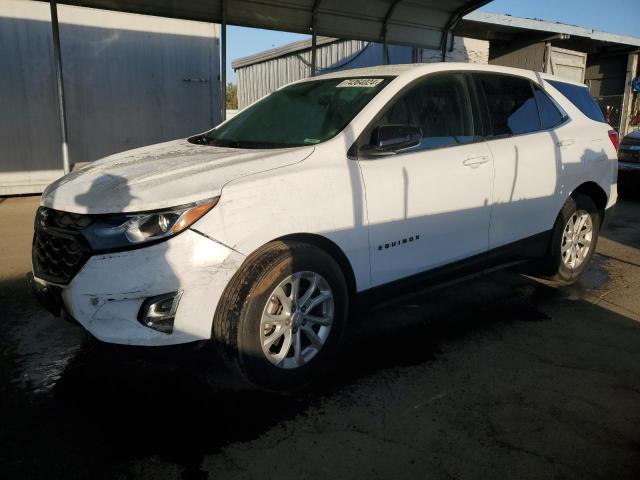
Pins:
x: 440, y: 105
x: 304, y: 113
x: 511, y: 104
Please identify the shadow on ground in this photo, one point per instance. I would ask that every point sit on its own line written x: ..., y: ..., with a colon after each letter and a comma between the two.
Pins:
x: 81, y: 409
x: 499, y: 377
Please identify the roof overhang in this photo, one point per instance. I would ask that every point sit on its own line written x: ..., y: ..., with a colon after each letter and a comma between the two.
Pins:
x: 420, y: 23
x: 492, y: 26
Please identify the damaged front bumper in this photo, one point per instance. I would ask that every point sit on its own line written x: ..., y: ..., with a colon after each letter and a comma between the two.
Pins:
x: 49, y: 295
x: 108, y: 293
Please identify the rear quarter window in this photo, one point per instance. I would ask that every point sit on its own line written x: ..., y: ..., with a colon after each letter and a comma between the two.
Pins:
x: 550, y: 115
x: 581, y: 98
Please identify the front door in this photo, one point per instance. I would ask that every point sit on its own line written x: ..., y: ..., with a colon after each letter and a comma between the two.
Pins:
x: 430, y: 205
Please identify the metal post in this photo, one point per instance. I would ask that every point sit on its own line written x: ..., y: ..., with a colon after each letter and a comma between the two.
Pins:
x: 385, y: 50
x: 61, y: 104
x: 314, y: 27
x: 385, y: 30
x: 223, y: 61
x: 313, y: 53
x: 444, y: 45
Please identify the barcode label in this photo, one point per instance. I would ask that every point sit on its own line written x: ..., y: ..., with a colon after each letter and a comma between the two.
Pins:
x: 360, y: 82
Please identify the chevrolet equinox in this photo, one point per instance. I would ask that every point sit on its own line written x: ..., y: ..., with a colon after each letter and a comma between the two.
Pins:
x: 260, y: 234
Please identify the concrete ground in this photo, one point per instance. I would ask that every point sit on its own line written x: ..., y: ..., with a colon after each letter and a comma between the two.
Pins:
x: 499, y: 377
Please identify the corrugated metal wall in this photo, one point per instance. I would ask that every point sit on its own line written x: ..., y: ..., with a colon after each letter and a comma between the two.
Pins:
x: 259, y: 79
x: 130, y: 80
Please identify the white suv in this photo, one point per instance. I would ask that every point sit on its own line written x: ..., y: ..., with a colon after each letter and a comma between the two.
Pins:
x: 260, y: 234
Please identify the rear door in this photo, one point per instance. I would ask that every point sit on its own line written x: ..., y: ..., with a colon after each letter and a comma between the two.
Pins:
x: 527, y: 158
x: 591, y: 156
x: 430, y: 205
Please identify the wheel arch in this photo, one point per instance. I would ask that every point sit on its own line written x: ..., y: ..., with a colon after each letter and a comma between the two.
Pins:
x: 595, y: 192
x: 332, y: 249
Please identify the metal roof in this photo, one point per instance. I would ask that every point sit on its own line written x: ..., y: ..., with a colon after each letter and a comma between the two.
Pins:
x: 405, y: 22
x: 281, y: 51
x: 481, y: 25
x: 492, y: 26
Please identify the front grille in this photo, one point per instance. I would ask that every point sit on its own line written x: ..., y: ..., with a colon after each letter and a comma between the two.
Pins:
x: 59, y: 250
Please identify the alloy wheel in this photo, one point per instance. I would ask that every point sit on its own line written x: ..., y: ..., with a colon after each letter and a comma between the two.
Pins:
x: 296, y: 320
x: 576, y: 239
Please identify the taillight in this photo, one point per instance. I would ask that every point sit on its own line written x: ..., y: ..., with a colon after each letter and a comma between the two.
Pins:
x: 613, y: 136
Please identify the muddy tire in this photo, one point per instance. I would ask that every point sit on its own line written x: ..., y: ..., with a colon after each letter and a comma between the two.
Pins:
x: 573, y: 240
x: 281, y: 319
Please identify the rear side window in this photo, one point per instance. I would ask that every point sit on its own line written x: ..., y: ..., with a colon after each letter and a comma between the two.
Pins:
x: 511, y: 104
x: 550, y: 115
x: 581, y: 98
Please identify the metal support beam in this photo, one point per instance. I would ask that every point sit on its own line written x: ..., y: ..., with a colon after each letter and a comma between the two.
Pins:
x: 66, y: 166
x: 313, y: 53
x: 453, y: 22
x: 443, y: 49
x: 223, y: 61
x: 314, y: 27
x: 416, y: 55
x: 385, y: 28
x: 385, y: 51
x: 557, y: 36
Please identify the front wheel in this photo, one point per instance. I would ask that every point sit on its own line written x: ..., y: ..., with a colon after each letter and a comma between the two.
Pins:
x: 282, y: 316
x: 573, y: 240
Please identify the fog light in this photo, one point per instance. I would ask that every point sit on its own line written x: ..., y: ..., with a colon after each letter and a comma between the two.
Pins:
x: 160, y: 312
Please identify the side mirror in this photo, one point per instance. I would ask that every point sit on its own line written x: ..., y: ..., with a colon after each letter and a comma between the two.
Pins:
x: 390, y: 139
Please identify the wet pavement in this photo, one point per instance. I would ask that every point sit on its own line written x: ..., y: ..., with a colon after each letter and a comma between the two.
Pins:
x: 503, y: 376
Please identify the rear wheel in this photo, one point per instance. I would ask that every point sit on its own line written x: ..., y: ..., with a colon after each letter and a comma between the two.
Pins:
x: 574, y: 239
x: 282, y: 316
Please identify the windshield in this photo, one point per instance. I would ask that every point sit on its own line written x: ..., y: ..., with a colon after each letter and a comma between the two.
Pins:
x: 304, y: 113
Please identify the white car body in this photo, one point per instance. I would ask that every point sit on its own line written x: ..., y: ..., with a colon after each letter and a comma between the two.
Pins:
x: 390, y: 217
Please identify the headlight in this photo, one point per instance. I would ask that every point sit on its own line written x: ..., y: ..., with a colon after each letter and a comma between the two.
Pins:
x: 123, y: 230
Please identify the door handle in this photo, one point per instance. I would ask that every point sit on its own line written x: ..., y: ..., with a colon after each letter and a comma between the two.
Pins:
x: 565, y: 143
x: 475, y: 162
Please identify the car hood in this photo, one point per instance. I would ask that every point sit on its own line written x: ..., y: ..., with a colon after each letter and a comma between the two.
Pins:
x: 160, y: 176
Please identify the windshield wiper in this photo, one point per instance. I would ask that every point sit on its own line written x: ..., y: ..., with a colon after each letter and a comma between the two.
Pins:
x: 245, y: 144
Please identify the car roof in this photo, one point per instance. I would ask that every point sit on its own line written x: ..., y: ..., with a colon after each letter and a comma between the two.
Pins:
x: 419, y: 69
x: 548, y: 76
x: 377, y: 70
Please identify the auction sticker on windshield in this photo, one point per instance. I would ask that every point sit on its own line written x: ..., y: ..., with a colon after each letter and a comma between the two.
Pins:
x: 360, y: 82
